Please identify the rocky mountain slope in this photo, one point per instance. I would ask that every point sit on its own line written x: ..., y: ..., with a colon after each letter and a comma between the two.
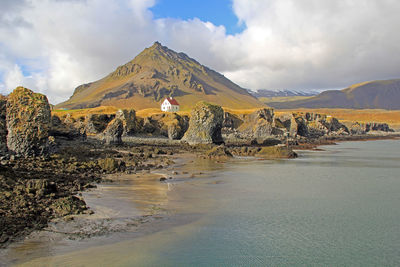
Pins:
x: 156, y: 73
x: 383, y: 94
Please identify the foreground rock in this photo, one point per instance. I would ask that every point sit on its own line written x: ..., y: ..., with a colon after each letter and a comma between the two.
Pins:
x: 3, y: 124
x: 205, y: 124
x: 113, y: 133
x: 34, y: 191
x: 218, y: 152
x: 28, y: 123
x: 258, y: 125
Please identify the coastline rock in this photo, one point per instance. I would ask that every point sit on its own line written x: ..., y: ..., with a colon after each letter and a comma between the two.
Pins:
x: 128, y: 118
x: 173, y: 125
x: 218, y: 152
x: 287, y: 122
x: 374, y: 126
x: 314, y: 125
x: 96, y: 123
x: 205, y: 124
x: 274, y: 152
x: 70, y: 205
x: 28, y: 123
x: 357, y: 128
x: 113, y: 133
x: 61, y: 129
x: 3, y: 124
x: 259, y: 124
x: 108, y: 164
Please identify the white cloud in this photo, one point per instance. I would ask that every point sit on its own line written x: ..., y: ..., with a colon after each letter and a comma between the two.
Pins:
x: 294, y: 44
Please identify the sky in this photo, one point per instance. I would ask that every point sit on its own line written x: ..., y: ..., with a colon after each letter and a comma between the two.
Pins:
x: 52, y: 46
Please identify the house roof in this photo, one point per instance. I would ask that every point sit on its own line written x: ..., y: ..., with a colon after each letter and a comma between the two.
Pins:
x: 172, y: 101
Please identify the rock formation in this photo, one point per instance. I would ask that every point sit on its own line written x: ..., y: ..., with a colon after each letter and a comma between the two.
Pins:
x: 128, y: 118
x: 205, y: 124
x: 357, y: 128
x: 258, y: 124
x: 314, y: 125
x: 171, y: 125
x: 28, y: 122
x: 288, y: 122
x: 95, y: 123
x: 113, y: 133
x: 3, y: 124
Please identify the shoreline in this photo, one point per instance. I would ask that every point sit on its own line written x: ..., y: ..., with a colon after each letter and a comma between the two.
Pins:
x: 156, y: 158
x: 332, y: 140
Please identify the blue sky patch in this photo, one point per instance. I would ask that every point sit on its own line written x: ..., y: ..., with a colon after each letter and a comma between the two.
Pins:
x: 219, y: 12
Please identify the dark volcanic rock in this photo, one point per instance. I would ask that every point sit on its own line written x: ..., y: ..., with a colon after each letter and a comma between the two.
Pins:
x: 3, y: 124
x: 128, y: 118
x: 258, y: 124
x: 363, y: 128
x: 218, y: 152
x: 60, y: 128
x: 97, y: 123
x: 314, y: 125
x: 205, y: 124
x: 113, y: 133
x: 287, y: 122
x: 28, y: 122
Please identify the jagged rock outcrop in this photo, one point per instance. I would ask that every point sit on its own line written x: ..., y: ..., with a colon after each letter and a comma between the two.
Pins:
x: 315, y: 125
x: 3, y: 124
x: 357, y: 128
x: 128, y: 118
x: 375, y: 126
x: 172, y: 125
x: 28, y: 122
x: 66, y: 130
x: 205, y: 124
x: 95, y: 123
x: 287, y: 122
x: 259, y: 124
x: 113, y: 133
x: 218, y: 152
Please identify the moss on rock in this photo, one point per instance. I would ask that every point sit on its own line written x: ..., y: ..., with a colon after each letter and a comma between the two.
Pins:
x: 205, y: 124
x: 28, y: 122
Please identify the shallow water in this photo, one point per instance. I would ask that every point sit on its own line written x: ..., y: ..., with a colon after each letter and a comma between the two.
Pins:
x: 337, y: 207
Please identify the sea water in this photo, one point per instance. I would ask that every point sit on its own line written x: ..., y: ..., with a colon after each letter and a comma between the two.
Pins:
x: 335, y: 207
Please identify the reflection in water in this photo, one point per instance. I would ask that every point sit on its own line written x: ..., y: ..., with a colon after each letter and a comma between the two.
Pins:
x: 121, y: 205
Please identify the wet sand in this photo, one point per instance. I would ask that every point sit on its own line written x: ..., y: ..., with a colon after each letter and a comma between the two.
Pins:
x: 126, y: 207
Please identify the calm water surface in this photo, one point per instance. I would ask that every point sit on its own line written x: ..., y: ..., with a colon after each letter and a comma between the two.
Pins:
x: 338, y: 207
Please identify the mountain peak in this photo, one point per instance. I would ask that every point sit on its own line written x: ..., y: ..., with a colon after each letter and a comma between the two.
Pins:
x: 157, y: 44
x: 159, y: 72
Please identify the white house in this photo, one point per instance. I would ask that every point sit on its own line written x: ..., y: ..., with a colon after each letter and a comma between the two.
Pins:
x: 170, y: 105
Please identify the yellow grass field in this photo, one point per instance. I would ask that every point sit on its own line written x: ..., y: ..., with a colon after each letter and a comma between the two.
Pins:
x: 392, y: 117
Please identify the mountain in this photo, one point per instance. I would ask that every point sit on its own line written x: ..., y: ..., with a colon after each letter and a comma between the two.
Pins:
x: 281, y: 93
x: 158, y: 72
x: 383, y: 94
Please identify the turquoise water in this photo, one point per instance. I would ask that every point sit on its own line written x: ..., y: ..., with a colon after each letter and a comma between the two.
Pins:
x: 337, y: 207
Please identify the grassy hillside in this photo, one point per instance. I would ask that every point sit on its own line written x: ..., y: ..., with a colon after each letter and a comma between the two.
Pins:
x: 156, y: 73
x: 367, y: 95
x: 391, y: 117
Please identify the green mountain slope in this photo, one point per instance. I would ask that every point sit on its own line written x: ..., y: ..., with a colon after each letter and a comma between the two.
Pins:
x: 156, y: 73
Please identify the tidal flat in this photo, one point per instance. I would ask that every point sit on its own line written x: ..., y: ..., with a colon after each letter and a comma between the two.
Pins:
x: 335, y: 206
